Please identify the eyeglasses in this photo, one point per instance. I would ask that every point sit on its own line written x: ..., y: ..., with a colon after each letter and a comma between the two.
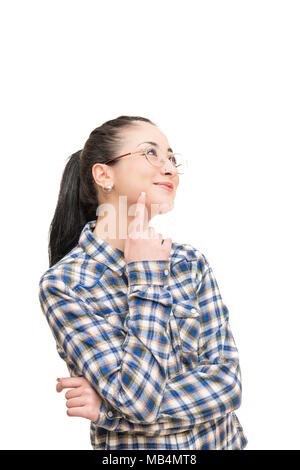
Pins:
x: 156, y: 158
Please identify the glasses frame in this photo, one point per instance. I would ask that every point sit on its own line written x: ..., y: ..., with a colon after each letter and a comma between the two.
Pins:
x: 142, y: 152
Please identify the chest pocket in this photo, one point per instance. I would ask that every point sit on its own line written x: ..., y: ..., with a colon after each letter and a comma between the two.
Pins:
x: 102, y: 296
x: 187, y: 316
x: 109, y: 304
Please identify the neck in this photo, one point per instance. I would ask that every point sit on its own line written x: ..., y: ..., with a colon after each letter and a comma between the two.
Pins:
x: 113, y: 229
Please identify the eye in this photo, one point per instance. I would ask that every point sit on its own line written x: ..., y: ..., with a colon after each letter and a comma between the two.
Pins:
x: 151, y: 149
x: 172, y: 159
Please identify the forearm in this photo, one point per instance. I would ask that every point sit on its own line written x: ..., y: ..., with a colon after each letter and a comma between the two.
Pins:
x: 190, y: 399
x: 211, y: 389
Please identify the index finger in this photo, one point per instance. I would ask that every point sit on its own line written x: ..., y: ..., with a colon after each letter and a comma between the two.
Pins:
x: 70, y: 382
x: 140, y: 209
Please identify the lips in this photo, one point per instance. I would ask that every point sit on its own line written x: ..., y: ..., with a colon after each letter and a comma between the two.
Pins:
x: 166, y: 185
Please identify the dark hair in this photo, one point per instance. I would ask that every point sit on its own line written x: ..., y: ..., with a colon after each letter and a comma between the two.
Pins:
x: 78, y: 199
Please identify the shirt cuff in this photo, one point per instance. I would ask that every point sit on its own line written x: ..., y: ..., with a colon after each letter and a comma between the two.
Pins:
x: 107, y: 416
x: 154, y: 272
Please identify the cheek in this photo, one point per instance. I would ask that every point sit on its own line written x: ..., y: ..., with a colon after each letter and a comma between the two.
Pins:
x: 141, y: 173
x: 133, y: 178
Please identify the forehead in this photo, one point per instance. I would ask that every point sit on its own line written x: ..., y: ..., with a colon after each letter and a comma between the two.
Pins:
x: 143, y: 132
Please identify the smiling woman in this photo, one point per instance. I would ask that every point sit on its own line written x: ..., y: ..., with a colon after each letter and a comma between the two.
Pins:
x: 138, y: 319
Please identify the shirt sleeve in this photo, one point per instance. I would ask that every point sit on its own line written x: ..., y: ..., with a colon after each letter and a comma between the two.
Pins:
x: 131, y: 381
x: 133, y: 385
x: 213, y: 388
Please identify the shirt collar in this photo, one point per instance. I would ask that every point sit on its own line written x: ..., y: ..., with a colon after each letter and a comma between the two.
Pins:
x: 100, y: 250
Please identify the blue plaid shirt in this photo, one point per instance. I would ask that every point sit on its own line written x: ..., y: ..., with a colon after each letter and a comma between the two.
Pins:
x: 153, y: 339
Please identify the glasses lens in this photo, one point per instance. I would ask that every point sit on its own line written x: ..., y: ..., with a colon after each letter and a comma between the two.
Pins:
x: 157, y: 159
x: 180, y: 163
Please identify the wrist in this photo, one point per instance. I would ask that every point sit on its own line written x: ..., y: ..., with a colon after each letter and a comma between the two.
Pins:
x: 154, y: 272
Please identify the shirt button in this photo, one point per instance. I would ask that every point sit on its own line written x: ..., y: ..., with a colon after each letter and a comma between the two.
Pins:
x: 110, y: 414
x: 166, y: 272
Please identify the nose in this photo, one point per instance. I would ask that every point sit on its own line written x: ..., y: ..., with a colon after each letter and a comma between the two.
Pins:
x: 168, y: 167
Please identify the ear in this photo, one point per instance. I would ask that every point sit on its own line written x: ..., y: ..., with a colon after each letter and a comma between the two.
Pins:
x: 102, y: 174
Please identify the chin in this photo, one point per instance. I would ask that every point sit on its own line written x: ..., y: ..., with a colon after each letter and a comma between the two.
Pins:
x: 161, y: 205
x: 166, y: 207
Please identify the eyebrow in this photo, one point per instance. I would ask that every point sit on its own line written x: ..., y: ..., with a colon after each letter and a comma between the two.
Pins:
x: 155, y: 145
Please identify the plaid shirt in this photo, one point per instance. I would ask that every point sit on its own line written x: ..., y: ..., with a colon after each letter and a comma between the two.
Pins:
x: 153, y: 339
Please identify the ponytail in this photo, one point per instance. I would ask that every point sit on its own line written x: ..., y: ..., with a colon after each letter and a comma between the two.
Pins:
x: 68, y: 219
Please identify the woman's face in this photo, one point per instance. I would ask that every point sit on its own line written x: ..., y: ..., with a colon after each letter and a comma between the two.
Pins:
x: 133, y: 174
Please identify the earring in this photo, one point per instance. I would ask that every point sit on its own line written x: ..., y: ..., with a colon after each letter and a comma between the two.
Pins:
x: 107, y: 188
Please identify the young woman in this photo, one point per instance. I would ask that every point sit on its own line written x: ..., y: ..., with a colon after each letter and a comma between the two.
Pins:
x: 138, y: 319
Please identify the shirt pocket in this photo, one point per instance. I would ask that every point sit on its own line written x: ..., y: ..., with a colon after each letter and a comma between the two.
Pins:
x: 108, y: 303
x: 187, y: 316
x: 105, y: 299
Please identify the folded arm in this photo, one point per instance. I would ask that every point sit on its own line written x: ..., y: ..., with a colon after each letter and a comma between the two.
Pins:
x: 133, y: 382
x: 214, y: 387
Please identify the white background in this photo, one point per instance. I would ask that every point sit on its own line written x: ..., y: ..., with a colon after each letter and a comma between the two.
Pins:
x: 221, y: 80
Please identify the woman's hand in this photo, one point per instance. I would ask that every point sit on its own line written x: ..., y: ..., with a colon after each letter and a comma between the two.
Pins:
x: 82, y: 400
x: 145, y: 245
